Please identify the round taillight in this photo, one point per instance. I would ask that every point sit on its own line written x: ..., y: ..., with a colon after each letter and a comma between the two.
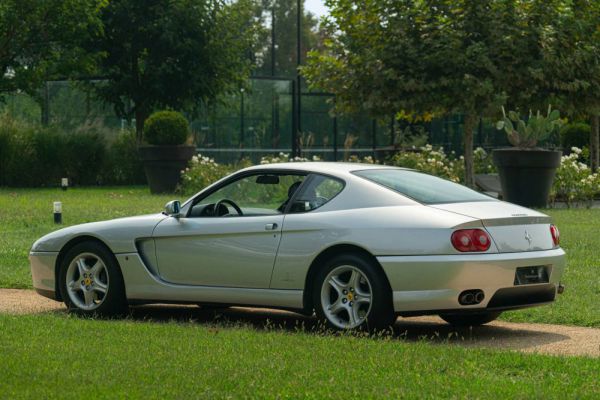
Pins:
x: 555, y: 235
x: 467, y: 240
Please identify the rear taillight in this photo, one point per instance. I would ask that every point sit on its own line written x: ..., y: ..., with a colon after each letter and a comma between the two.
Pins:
x: 470, y: 240
x: 555, y: 235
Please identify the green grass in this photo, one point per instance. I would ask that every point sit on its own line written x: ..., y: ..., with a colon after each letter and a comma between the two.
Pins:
x: 26, y: 214
x: 49, y: 356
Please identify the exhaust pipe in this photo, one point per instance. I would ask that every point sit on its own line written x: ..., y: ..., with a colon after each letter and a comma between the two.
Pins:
x: 479, y: 296
x: 471, y: 297
x: 466, y: 298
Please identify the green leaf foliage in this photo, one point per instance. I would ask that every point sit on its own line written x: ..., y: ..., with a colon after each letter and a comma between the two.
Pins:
x: 173, y: 53
x: 41, y: 40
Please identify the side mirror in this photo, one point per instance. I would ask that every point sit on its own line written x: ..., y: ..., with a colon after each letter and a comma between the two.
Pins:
x: 173, y: 208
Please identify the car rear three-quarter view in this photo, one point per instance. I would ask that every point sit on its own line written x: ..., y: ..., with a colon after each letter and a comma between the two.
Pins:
x: 355, y: 244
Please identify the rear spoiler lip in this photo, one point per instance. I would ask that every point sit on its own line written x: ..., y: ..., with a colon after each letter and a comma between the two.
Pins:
x: 524, y: 220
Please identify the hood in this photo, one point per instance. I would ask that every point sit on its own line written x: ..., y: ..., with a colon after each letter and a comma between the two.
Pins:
x: 119, y: 234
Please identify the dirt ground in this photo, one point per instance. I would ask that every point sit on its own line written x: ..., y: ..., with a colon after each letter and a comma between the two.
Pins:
x: 530, y: 338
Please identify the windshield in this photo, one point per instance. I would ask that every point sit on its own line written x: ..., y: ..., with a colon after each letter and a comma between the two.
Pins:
x: 422, y: 187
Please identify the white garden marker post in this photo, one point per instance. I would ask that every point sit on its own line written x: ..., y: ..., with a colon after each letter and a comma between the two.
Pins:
x: 57, y: 212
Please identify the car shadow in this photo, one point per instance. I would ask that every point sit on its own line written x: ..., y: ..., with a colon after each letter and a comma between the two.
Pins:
x: 431, y: 329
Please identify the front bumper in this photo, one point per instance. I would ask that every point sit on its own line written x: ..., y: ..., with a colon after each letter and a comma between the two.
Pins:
x: 428, y: 284
x: 42, y: 271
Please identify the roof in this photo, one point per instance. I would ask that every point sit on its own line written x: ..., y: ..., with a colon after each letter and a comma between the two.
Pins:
x: 325, y: 167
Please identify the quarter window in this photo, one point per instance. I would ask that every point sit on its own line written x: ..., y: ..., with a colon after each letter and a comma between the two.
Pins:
x: 317, y: 191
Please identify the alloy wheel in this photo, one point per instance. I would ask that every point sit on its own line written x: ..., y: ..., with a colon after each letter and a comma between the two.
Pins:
x: 87, y: 281
x: 346, y: 297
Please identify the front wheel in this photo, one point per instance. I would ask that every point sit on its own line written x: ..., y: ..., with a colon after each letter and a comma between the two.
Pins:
x: 91, y: 282
x: 474, y: 319
x: 351, y: 293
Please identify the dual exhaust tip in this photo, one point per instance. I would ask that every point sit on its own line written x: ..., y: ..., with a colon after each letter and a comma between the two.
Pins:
x: 471, y: 297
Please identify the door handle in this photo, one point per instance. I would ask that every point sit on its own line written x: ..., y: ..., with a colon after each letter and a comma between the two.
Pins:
x: 270, y: 227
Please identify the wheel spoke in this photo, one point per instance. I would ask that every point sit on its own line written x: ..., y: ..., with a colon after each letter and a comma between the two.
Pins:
x: 354, y: 279
x: 96, y: 269
x: 99, y: 287
x: 353, y: 316
x: 88, y: 296
x: 337, y: 284
x: 336, y: 307
x: 363, y: 299
x: 81, y: 267
x: 75, y: 285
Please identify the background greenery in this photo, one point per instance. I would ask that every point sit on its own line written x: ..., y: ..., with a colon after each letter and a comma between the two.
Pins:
x: 34, y: 155
x: 26, y: 215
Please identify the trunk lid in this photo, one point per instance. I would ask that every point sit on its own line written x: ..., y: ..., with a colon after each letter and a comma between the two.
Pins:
x: 513, y: 228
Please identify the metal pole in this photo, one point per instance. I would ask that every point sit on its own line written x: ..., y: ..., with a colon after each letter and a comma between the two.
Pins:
x: 335, y: 135
x: 242, y: 118
x: 273, y: 40
x: 294, y: 119
x: 374, y: 137
x: 298, y: 78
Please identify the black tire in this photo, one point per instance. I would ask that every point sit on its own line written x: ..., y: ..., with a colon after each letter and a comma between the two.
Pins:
x: 113, y: 303
x: 381, y: 314
x: 474, y: 319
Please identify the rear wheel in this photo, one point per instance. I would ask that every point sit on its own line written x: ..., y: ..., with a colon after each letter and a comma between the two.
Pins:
x: 474, y: 319
x: 351, y: 293
x: 91, y: 282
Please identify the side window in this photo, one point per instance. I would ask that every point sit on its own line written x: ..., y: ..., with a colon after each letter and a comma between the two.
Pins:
x: 260, y: 194
x: 318, y: 191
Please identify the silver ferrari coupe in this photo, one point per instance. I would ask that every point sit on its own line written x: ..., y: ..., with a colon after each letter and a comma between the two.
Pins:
x: 356, y: 244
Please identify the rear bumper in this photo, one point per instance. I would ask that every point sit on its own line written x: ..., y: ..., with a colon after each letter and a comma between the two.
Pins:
x: 428, y: 284
x: 42, y: 271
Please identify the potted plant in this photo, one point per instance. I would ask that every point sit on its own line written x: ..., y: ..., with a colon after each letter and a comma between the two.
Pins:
x: 527, y: 171
x: 166, y: 153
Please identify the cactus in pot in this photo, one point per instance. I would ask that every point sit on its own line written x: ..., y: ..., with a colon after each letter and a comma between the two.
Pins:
x: 526, y: 134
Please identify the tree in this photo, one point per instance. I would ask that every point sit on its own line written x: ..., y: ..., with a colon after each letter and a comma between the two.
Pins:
x: 574, y: 59
x: 172, y: 53
x: 39, y: 41
x: 433, y: 56
x: 282, y: 15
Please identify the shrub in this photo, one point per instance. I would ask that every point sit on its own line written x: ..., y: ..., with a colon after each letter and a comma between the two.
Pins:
x: 166, y: 128
x: 33, y: 155
x: 201, y: 172
x: 574, y: 182
x: 575, y: 135
x: 123, y: 165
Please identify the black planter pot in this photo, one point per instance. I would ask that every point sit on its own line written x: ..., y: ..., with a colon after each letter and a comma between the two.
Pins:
x: 526, y: 175
x: 163, y: 165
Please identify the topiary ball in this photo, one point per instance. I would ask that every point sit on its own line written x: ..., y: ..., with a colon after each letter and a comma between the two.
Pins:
x: 166, y: 128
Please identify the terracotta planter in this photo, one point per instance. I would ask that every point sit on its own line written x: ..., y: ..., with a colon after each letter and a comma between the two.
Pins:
x: 526, y: 175
x: 163, y: 165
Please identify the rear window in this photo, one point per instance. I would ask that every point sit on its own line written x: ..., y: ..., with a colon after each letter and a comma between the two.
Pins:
x: 421, y: 187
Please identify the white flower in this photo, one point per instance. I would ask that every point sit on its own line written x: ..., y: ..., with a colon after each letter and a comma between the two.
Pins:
x: 576, y: 150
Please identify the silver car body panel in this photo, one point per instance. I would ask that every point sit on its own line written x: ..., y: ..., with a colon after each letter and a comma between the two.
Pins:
x: 237, y: 261
x: 434, y: 282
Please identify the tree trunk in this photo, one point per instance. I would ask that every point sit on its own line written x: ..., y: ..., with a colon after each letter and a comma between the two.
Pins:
x: 595, y: 142
x: 469, y: 125
x: 140, y: 118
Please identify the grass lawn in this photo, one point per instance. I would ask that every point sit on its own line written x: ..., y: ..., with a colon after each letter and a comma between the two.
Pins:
x: 68, y: 357
x: 26, y: 214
